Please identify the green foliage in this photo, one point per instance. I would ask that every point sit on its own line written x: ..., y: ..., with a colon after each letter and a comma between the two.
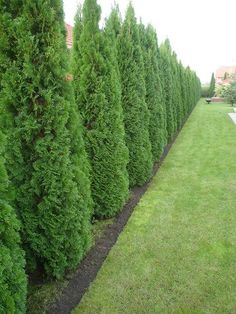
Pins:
x: 154, y: 94
x: 113, y: 27
x: 46, y: 157
x: 230, y: 94
x: 220, y: 90
x: 226, y: 75
x: 132, y: 98
x: 165, y: 59
x: 177, y: 101
x: 13, y: 280
x: 98, y: 97
x: 181, y: 87
x: 12, y: 275
x: 211, y: 91
x: 136, y: 114
x: 177, y: 253
x: 205, y: 91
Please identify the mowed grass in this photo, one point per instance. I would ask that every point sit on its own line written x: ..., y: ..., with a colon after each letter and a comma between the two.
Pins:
x: 177, y: 253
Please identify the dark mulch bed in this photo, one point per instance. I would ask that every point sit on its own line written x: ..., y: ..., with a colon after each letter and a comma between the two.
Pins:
x: 93, y: 261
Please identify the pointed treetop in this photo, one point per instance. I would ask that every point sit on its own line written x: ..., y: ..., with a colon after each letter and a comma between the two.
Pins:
x: 151, y: 32
x: 130, y: 13
x: 78, y: 15
x: 113, y: 22
x: 91, y: 12
x: 166, y: 46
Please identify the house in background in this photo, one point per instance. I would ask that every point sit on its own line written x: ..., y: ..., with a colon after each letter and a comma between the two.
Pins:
x: 225, y: 75
x: 69, y: 37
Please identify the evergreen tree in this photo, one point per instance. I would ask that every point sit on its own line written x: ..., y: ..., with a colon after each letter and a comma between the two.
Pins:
x: 7, y: 52
x: 77, y: 31
x: 177, y: 92
x: 98, y: 98
x: 183, y: 92
x: 230, y: 94
x: 211, y: 91
x: 154, y: 95
x: 113, y: 28
x: 12, y: 275
x: 226, y: 75
x: 136, y: 114
x: 188, y: 90
x: 112, y: 31
x: 46, y: 156
x: 168, y: 86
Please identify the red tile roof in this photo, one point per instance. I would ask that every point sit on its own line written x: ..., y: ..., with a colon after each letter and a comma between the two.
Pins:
x: 225, y: 69
x: 227, y: 81
x: 69, y: 37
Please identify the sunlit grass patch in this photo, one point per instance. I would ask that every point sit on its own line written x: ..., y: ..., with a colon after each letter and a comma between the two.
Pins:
x: 177, y: 253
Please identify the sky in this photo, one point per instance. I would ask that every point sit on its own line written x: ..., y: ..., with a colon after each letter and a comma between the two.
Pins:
x: 201, y: 32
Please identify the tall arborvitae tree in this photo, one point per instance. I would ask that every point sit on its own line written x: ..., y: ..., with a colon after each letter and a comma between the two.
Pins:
x: 168, y: 86
x: 211, y: 91
x: 154, y: 95
x: 113, y: 27
x: 136, y: 114
x: 46, y: 156
x: 98, y: 98
x: 112, y: 31
x: 189, y: 88
x: 80, y: 163
x: 183, y: 92
x: 177, y: 101
x: 12, y: 275
x: 8, y: 10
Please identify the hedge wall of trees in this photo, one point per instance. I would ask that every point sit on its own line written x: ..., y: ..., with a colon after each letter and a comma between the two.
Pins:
x: 13, y: 280
x: 74, y: 148
x: 46, y: 159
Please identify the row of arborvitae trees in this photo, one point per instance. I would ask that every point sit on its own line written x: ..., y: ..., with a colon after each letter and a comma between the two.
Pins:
x: 74, y: 148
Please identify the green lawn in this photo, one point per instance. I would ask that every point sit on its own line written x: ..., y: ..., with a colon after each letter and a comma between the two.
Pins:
x: 177, y: 253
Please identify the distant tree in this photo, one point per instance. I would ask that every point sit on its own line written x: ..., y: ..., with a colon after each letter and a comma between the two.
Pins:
x: 211, y: 91
x: 205, y: 91
x: 177, y: 100
x: 183, y: 93
x: 46, y: 158
x: 230, y: 94
x: 136, y: 113
x: 220, y: 90
x: 226, y: 75
x: 98, y: 98
x: 233, y: 77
